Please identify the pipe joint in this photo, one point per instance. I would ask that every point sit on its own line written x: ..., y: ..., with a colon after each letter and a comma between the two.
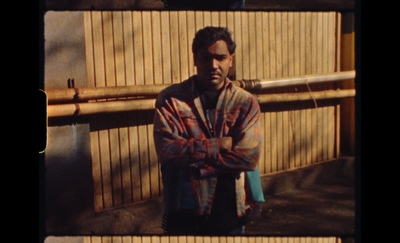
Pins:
x: 250, y: 84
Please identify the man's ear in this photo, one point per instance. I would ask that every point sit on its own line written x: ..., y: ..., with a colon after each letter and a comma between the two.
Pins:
x: 231, y: 61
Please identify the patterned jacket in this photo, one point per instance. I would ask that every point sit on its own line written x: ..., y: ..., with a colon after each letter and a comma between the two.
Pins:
x: 189, y: 153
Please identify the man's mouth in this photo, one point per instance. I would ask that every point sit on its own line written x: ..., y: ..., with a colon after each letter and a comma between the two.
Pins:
x: 215, y: 74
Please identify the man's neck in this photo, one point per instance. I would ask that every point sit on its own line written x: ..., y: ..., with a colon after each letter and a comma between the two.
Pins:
x: 209, y: 97
x: 201, y: 88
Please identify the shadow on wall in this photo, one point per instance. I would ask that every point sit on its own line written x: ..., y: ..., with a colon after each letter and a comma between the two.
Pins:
x: 68, y: 178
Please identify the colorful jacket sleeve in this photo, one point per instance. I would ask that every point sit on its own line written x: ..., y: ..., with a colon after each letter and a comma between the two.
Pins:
x: 173, y: 139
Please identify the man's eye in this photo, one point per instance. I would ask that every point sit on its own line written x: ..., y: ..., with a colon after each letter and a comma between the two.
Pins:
x: 205, y: 57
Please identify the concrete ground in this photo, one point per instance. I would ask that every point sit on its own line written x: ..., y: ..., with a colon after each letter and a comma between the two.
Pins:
x: 314, y: 201
x: 324, y: 208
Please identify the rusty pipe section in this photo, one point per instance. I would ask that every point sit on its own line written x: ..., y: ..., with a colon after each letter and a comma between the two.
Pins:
x: 72, y: 95
x: 84, y: 94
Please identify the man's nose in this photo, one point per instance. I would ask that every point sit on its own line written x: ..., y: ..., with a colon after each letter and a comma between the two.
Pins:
x: 214, y: 63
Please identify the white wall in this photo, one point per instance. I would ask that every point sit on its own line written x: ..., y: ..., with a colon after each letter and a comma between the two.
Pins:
x: 68, y: 180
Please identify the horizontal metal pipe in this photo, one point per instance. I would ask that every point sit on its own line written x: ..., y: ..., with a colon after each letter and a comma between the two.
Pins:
x: 257, y: 84
x: 84, y: 94
x: 93, y: 108
x: 303, y: 96
x: 61, y: 110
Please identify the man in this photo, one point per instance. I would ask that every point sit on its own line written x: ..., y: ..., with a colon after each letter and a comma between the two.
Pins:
x: 207, y: 136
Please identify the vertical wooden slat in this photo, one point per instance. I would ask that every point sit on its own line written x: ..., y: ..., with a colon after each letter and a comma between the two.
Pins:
x: 183, y: 45
x: 106, y: 239
x: 338, y: 112
x: 285, y: 72
x: 267, y: 143
x: 222, y: 18
x: 237, y: 34
x: 279, y: 73
x: 252, y: 39
x: 308, y: 136
x: 265, y: 48
x: 191, y: 31
x: 208, y: 239
x: 296, y: 43
x: 257, y: 37
x: 274, y: 142
x: 131, y: 186
x: 108, y: 36
x: 129, y: 59
x: 144, y: 157
x: 175, y: 59
x: 96, y: 239
x: 222, y: 239
x: 313, y: 68
x: 147, y: 48
x: 207, y: 18
x: 138, y: 47
x: 155, y: 180
x: 119, y: 51
x: 149, y: 166
x: 292, y: 120
x: 319, y: 61
x: 157, y: 68
x: 272, y: 74
x: 259, y: 58
x: 307, y: 70
x: 94, y: 142
x: 127, y: 239
x: 214, y: 18
x: 302, y: 71
x: 87, y: 16
x: 230, y: 23
x: 116, y: 239
x: 119, y: 147
x: 324, y: 54
x: 98, y: 51
x: 145, y: 239
x: 272, y: 45
x: 96, y: 167
x: 123, y: 130
x: 114, y: 151
x: 199, y: 20
x: 133, y: 133
x: 331, y: 68
x: 140, y: 77
x: 155, y: 239
x: 166, y: 51
x: 164, y: 239
x: 100, y: 41
x: 278, y: 45
x: 245, y: 46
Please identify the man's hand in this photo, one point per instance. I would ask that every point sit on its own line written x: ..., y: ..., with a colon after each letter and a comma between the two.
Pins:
x: 225, y: 143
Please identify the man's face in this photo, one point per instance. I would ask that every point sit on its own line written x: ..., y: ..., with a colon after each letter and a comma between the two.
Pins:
x: 213, y: 65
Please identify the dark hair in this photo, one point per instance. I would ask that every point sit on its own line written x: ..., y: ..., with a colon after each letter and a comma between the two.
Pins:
x: 209, y: 35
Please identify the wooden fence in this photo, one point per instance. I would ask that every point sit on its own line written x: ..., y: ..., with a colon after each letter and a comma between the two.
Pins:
x: 208, y: 239
x: 154, y: 47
